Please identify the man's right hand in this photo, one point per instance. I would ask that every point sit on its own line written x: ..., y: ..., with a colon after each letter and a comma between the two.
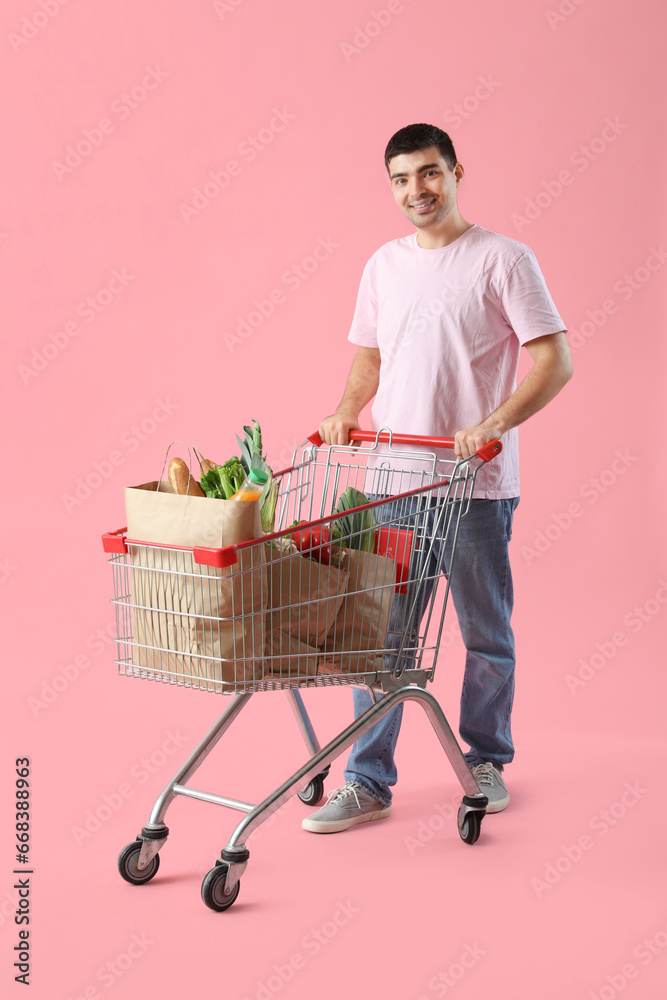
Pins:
x: 336, y: 428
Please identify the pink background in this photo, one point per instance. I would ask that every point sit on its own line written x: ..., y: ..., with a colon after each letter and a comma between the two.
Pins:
x: 343, y: 79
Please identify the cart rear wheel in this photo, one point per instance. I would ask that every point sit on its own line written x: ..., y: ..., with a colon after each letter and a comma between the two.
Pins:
x: 469, y: 828
x: 313, y: 792
x: 213, y: 889
x: 127, y: 865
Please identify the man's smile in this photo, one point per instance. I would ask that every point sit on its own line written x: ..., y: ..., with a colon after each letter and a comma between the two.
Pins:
x: 425, y: 205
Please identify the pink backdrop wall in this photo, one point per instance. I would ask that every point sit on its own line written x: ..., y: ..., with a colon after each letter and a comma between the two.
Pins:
x: 125, y: 294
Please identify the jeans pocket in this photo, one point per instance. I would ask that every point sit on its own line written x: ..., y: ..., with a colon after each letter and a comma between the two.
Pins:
x: 511, y: 507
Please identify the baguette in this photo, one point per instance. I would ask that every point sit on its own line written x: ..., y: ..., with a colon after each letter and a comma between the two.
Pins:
x: 181, y: 480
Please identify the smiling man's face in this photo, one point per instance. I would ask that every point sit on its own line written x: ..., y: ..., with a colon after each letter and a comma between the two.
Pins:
x: 424, y: 187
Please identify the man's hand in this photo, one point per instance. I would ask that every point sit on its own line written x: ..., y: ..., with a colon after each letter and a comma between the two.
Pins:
x: 469, y: 442
x: 336, y: 428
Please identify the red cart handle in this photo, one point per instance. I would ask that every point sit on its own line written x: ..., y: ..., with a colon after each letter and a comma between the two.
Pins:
x: 486, y: 453
x: 114, y: 541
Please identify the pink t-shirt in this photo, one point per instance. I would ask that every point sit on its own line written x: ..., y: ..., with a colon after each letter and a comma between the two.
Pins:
x: 449, y: 324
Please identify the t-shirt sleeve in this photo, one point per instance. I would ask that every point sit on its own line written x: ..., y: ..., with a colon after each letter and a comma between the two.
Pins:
x: 526, y: 303
x: 365, y: 320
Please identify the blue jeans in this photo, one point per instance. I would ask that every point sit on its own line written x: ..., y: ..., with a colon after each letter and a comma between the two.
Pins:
x: 481, y: 588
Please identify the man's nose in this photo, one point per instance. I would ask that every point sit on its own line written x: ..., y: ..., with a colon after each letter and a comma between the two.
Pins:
x: 416, y: 187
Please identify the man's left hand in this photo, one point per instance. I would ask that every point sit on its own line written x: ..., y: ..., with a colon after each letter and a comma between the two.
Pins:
x: 469, y: 442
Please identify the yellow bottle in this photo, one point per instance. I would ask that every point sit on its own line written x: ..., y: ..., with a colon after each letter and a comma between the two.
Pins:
x: 252, y: 487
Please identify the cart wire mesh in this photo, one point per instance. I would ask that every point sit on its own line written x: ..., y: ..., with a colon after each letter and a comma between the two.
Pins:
x: 357, y: 601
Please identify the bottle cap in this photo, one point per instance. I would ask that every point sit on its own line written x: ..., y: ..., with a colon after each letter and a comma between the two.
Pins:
x: 257, y: 476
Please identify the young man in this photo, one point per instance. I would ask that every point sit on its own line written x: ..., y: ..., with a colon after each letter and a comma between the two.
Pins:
x: 440, y: 319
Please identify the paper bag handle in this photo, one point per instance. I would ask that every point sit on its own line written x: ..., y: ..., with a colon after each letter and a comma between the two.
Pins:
x: 166, y: 456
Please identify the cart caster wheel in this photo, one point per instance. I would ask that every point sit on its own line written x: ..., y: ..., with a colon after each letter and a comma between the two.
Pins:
x: 313, y: 792
x: 127, y: 865
x: 213, y: 889
x: 469, y: 828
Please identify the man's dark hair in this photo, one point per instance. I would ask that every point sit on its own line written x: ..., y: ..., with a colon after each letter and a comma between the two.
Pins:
x: 415, y: 137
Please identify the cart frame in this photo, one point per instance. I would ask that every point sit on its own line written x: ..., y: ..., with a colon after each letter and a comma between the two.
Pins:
x: 139, y: 861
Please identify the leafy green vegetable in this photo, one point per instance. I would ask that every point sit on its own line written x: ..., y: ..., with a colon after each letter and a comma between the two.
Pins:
x: 355, y: 530
x: 251, y: 449
x: 252, y: 458
x: 223, y: 481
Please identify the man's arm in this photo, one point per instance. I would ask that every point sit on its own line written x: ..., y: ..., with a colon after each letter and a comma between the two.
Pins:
x: 552, y: 368
x: 362, y: 384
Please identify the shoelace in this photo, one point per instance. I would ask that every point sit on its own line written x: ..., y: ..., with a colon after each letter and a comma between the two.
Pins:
x: 341, y: 793
x: 484, y: 773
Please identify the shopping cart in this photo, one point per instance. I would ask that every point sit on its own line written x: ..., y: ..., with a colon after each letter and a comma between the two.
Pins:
x: 356, y: 602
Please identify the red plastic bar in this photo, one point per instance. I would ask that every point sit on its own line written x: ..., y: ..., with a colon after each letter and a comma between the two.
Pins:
x: 490, y: 450
x: 486, y: 453
x: 114, y: 541
x: 215, y: 557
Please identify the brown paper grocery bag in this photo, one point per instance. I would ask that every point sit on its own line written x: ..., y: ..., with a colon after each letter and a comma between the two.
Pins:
x: 198, y: 625
x: 304, y: 595
x: 362, y: 621
x: 289, y: 659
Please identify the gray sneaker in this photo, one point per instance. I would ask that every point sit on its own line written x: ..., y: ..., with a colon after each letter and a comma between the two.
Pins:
x: 491, y: 782
x: 345, y: 807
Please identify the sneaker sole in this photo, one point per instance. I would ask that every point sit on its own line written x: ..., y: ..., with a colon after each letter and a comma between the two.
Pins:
x: 336, y: 826
x: 499, y: 805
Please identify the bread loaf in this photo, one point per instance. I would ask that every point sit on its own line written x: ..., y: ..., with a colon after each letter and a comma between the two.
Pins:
x: 205, y: 464
x: 181, y: 480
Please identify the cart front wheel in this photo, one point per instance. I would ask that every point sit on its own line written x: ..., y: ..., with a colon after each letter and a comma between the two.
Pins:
x: 127, y: 865
x: 213, y: 889
x: 470, y: 826
x: 313, y: 792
